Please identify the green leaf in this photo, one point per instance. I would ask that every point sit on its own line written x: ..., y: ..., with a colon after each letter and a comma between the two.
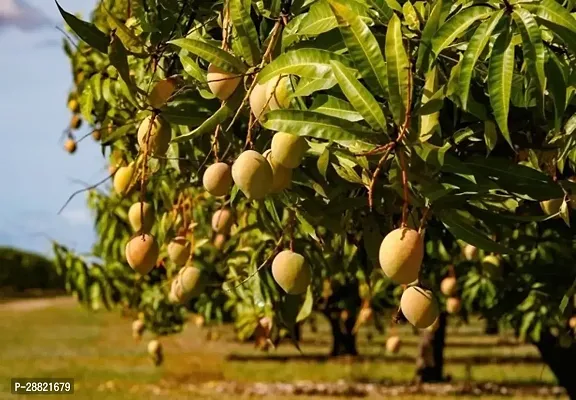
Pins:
x: 226, y: 110
x: 247, y: 36
x: 119, y: 59
x: 125, y: 34
x: 551, y: 11
x: 429, y: 123
x: 455, y: 26
x: 306, y: 308
x: 323, y: 162
x: 183, y: 113
x: 362, y: 47
x: 192, y: 68
x: 307, y: 63
x: 397, y: 65
x: 459, y: 226
x: 212, y: 54
x: 532, y: 46
x: 360, y: 97
x: 437, y: 15
x: 382, y: 8
x: 490, y: 135
x: 308, y: 86
x: 411, y: 16
x: 319, y: 19
x: 335, y: 107
x: 475, y: 47
x: 117, y: 133
x: 314, y: 124
x: 87, y: 103
x: 86, y: 31
x: 556, y: 87
x: 500, y: 73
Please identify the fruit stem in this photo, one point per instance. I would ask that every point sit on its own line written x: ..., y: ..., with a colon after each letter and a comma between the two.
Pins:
x: 423, y: 219
x: 215, y: 146
x: 405, y: 190
x: 276, y: 30
x: 145, y: 164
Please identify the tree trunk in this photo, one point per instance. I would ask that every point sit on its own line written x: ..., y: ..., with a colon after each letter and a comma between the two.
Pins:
x: 560, y: 360
x: 491, y: 327
x: 341, y: 308
x: 344, y: 340
x: 430, y: 359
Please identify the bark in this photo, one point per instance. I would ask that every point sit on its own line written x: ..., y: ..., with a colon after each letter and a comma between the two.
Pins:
x: 492, y: 327
x: 344, y: 341
x: 344, y: 299
x: 430, y: 359
x: 560, y: 360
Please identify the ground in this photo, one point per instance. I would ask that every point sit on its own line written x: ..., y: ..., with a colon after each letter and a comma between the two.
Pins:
x: 57, y: 338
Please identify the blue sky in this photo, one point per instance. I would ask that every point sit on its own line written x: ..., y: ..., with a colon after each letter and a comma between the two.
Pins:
x: 36, y: 174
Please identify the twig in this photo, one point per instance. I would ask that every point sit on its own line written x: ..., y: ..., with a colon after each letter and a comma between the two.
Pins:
x: 376, y: 173
x: 83, y: 190
x: 266, y: 261
x: 423, y: 219
x: 273, y: 38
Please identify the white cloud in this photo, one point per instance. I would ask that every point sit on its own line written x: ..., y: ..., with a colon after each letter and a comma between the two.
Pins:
x: 18, y: 14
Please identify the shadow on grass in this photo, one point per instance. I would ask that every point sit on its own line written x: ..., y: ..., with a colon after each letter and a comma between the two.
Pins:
x: 323, y: 358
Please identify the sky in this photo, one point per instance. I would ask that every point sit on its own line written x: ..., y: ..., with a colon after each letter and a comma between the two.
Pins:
x: 36, y: 175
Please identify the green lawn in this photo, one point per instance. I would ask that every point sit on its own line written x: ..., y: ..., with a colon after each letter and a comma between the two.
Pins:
x: 97, y: 350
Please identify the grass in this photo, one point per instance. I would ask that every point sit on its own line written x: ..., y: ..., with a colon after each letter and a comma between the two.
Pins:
x: 97, y: 350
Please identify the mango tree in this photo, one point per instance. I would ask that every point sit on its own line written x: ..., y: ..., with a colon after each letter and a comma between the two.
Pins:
x: 270, y: 158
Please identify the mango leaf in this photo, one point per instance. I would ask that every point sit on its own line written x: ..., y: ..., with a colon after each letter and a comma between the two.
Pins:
x: 411, y: 16
x: 315, y: 124
x: 475, y: 47
x: 429, y: 123
x: 308, y: 86
x: 359, y: 97
x: 226, y: 110
x: 192, y: 68
x: 500, y: 73
x: 456, y: 25
x: 397, y: 65
x: 118, y: 133
x: 247, y: 36
x: 532, y: 46
x: 119, y: 59
x: 129, y: 39
x: 515, y: 178
x: 183, y: 113
x: 307, y: 63
x: 87, y: 103
x: 382, y: 8
x: 458, y: 224
x: 86, y: 31
x: 335, y: 107
x: 556, y: 87
x: 553, y: 12
x: 323, y: 161
x: 437, y: 15
x: 318, y: 19
x: 362, y: 47
x: 306, y: 308
x: 211, y: 53
x: 490, y: 135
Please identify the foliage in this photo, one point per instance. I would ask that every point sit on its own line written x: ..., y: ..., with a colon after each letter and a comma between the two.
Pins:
x: 24, y: 270
x: 461, y: 114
